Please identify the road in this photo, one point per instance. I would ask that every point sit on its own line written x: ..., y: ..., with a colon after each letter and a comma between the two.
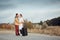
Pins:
x: 31, y: 36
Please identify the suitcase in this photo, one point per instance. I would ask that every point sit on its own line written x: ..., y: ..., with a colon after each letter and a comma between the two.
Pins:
x: 24, y: 32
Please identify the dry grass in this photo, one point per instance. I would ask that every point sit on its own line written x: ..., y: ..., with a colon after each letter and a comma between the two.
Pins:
x: 52, y: 30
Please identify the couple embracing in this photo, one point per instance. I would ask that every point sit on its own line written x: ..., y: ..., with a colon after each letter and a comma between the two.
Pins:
x: 19, y: 23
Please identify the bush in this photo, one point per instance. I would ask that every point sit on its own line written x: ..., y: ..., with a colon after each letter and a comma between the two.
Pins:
x: 29, y: 25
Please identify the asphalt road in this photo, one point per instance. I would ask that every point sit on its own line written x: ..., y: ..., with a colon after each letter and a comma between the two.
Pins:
x: 31, y: 36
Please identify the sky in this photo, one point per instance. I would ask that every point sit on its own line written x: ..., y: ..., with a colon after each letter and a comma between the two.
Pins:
x: 32, y: 10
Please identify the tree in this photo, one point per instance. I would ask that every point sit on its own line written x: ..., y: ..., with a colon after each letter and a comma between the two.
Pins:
x: 40, y: 23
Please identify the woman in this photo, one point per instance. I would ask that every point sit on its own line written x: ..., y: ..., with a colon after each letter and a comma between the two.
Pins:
x: 17, y: 25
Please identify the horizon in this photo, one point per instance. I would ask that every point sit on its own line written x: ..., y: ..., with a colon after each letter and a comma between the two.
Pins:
x: 32, y: 10
x: 32, y: 22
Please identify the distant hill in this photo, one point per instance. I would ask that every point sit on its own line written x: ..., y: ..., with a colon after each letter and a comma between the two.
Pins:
x: 54, y: 22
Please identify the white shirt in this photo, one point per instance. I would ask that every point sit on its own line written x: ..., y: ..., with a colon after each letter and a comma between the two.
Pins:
x: 21, y: 25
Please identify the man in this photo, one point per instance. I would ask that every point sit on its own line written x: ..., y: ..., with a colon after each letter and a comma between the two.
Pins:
x: 17, y: 25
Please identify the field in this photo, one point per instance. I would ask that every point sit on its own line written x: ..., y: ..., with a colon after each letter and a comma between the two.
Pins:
x: 51, y: 30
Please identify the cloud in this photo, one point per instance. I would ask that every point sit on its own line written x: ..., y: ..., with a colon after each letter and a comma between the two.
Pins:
x: 33, y: 10
x: 8, y: 4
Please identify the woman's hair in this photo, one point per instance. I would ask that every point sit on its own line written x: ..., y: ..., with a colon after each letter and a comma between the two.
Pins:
x: 16, y: 15
x: 21, y: 15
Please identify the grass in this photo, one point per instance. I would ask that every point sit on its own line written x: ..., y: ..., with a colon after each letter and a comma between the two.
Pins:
x: 49, y: 30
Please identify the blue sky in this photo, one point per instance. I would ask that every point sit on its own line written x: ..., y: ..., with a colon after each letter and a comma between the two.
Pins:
x: 32, y: 10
